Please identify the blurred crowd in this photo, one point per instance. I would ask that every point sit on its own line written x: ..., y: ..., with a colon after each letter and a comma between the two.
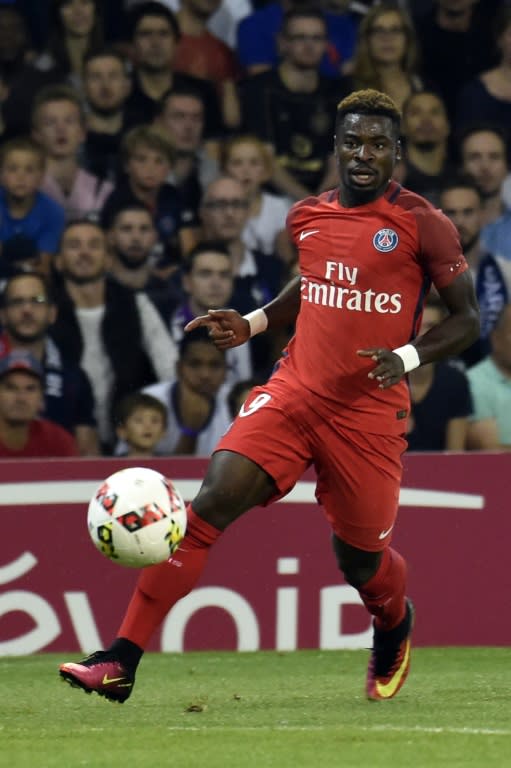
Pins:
x: 149, y: 154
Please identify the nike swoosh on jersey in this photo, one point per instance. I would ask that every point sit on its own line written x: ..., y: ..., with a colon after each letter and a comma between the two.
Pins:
x: 308, y: 233
x: 384, y: 534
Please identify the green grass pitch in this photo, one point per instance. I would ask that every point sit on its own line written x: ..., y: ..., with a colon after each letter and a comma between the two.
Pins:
x: 262, y: 710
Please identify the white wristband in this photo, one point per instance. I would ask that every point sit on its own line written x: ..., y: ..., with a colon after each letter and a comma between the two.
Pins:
x: 409, y: 356
x: 258, y: 321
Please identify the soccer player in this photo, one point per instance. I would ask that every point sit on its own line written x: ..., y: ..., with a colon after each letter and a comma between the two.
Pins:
x: 368, y: 252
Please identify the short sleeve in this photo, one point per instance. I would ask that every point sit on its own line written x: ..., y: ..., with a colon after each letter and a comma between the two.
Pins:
x: 439, y: 246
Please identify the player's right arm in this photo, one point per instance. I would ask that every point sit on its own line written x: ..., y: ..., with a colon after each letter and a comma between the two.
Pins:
x: 230, y: 329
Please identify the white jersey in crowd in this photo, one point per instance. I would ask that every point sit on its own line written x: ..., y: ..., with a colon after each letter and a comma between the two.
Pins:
x: 157, y: 342
x: 260, y: 231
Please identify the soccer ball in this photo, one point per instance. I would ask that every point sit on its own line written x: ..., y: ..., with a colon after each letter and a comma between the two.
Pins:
x: 137, y: 517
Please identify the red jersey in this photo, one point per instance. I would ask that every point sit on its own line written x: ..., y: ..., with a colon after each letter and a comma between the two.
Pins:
x: 45, y: 440
x: 365, y: 272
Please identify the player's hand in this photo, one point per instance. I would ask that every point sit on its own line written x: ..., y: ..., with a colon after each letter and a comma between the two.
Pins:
x: 389, y: 369
x: 226, y: 327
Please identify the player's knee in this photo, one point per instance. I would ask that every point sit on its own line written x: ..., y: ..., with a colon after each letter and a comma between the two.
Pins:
x: 357, y: 566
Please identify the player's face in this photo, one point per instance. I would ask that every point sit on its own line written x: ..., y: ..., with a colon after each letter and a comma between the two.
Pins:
x: 484, y: 158
x: 83, y: 256
x: 387, y: 39
x: 246, y: 164
x: 463, y: 207
x: 27, y: 314
x: 21, y: 173
x: 366, y: 150
x: 425, y: 121
x: 304, y: 42
x: 59, y: 128
x: 147, y: 168
x: 133, y: 235
x: 21, y: 398
x: 202, y: 368
x: 183, y: 121
x: 154, y: 44
x: 210, y: 283
x: 143, y: 429
x: 106, y: 84
x: 78, y: 17
x: 224, y: 210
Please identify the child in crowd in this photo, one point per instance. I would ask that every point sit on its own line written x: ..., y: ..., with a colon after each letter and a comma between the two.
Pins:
x: 250, y: 161
x: 24, y: 210
x: 147, y: 159
x: 141, y: 423
x: 58, y: 125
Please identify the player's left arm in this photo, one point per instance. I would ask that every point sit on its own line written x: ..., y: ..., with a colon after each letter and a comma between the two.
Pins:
x: 450, y: 337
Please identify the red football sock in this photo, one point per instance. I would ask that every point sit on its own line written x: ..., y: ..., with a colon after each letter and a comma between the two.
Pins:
x: 160, y: 586
x: 384, y: 593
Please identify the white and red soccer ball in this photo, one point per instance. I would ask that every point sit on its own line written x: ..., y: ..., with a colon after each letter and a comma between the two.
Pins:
x: 137, y: 517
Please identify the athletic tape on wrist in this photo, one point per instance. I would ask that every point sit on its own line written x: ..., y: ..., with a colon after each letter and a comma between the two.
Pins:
x: 258, y: 321
x: 409, y: 356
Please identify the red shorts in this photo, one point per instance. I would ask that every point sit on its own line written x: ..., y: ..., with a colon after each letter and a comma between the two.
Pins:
x: 285, y: 430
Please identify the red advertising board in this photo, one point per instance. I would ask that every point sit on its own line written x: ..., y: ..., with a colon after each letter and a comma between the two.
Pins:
x: 271, y: 581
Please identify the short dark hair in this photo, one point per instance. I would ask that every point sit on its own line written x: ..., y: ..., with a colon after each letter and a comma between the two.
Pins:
x: 135, y: 400
x: 56, y: 92
x: 126, y: 208
x: 21, y: 144
x: 483, y: 126
x: 200, y: 334
x: 107, y: 53
x: 460, y: 181
x: 369, y: 102
x: 416, y: 94
x: 151, y: 8
x: 47, y: 288
x: 179, y: 90
x: 205, y: 246
x: 307, y: 11
x: 148, y: 137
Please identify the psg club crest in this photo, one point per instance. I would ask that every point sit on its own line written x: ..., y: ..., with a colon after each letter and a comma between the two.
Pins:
x: 385, y: 240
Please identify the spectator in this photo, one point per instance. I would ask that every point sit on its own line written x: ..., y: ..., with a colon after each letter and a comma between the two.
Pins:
x: 238, y: 394
x: 208, y: 283
x: 483, y: 154
x: 58, y: 125
x: 181, y: 120
x: 27, y: 313
x: 202, y: 54
x: 490, y: 384
x: 248, y: 159
x: 133, y: 243
x: 461, y: 201
x: 195, y: 399
x: 22, y: 433
x: 292, y: 108
x: 24, y: 210
x: 224, y: 22
x: 107, y: 85
x: 440, y: 398
x: 488, y: 96
x: 154, y: 34
x: 147, y: 159
x: 456, y: 42
x: 426, y: 131
x: 258, y: 33
x: 386, y: 56
x: 75, y: 29
x: 224, y: 213
x: 15, y: 47
x: 116, y: 336
x: 141, y: 424
x: 19, y: 254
